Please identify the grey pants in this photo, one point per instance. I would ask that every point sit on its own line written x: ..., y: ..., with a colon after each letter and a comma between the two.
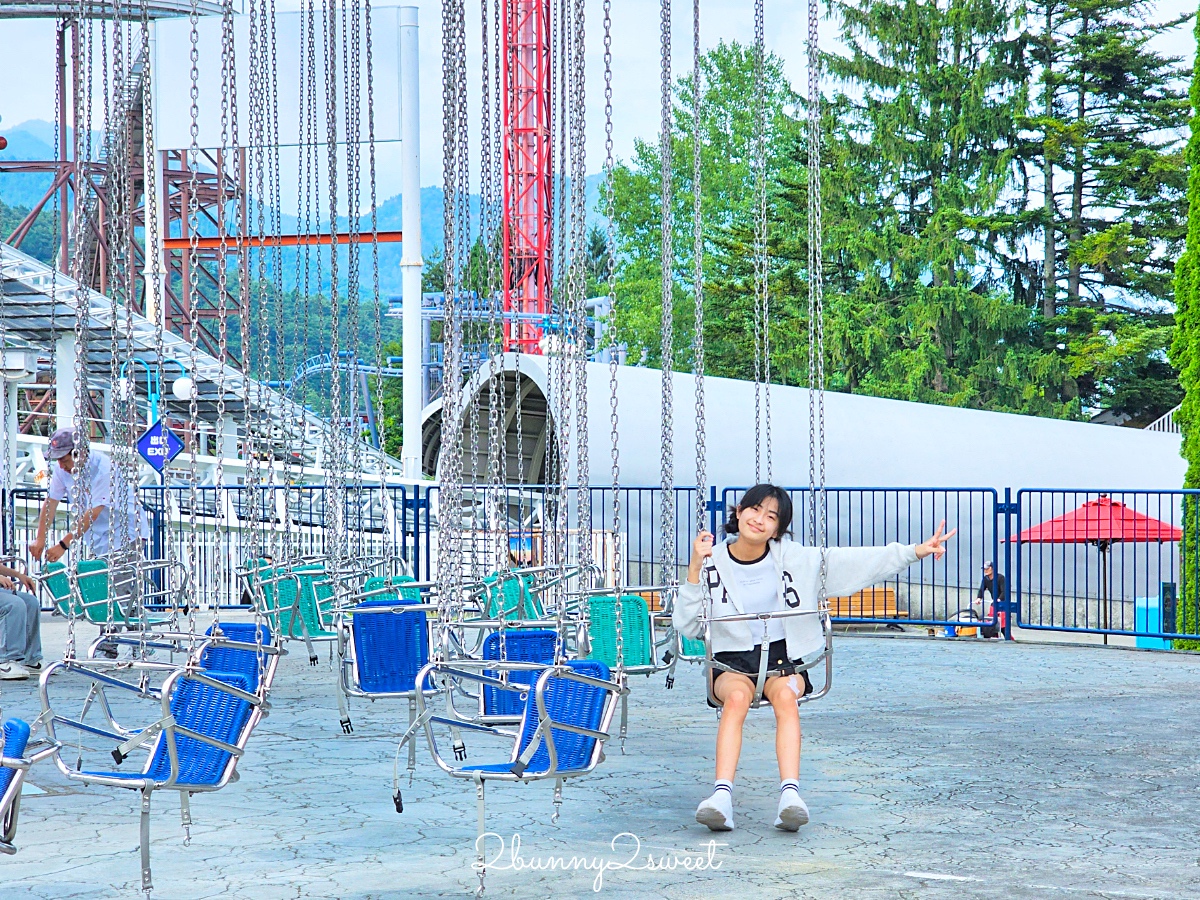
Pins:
x: 20, y: 627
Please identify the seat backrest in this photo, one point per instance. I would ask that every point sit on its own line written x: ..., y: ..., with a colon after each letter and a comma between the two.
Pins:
x: 209, y: 711
x: 388, y: 598
x: 16, y: 737
x: 536, y: 646
x: 508, y: 596
x: 316, y: 594
x: 637, y: 643
x: 219, y: 661
x: 93, y: 588
x: 389, y: 648
x: 571, y: 703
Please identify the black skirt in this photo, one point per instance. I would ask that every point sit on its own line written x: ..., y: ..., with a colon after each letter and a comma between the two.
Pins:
x: 746, y: 662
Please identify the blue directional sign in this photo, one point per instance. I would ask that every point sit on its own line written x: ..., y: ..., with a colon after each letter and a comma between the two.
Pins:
x: 159, y: 445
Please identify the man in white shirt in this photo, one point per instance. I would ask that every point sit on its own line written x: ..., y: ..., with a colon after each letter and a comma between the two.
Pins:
x: 114, y: 523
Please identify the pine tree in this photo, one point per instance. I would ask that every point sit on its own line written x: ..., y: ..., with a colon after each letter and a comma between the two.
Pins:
x: 1106, y: 133
x: 1185, y: 356
x: 928, y: 126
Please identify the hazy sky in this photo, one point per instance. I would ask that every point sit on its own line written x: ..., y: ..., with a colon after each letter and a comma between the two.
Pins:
x: 26, y: 48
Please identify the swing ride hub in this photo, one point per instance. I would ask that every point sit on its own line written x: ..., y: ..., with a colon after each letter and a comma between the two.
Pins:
x: 525, y: 76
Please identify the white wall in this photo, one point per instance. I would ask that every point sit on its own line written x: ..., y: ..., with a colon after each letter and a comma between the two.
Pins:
x: 870, y: 441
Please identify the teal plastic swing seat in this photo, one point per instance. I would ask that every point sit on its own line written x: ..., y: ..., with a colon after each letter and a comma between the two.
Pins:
x: 510, y: 596
x: 637, y: 642
x: 93, y: 602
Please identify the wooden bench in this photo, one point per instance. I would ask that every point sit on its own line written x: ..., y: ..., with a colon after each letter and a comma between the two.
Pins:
x: 869, y: 603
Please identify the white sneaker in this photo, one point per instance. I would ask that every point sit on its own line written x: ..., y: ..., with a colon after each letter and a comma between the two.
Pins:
x: 13, y: 671
x: 792, y: 811
x: 717, y: 811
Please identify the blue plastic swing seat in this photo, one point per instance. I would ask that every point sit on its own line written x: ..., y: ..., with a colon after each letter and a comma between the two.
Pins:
x: 389, y: 648
x: 16, y: 738
x: 535, y: 646
x: 206, y: 710
x: 569, y: 702
x: 219, y: 661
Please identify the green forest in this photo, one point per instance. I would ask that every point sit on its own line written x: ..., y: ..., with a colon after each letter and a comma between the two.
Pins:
x: 1004, y: 196
x: 1004, y: 192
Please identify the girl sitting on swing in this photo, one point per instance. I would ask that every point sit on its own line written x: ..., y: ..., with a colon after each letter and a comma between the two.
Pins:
x: 758, y: 569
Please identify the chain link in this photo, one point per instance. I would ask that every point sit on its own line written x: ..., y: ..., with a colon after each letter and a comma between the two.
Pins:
x: 667, y: 508
x: 816, y: 306
x: 698, y: 273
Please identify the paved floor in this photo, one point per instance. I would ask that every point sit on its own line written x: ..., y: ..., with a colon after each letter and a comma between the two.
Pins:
x: 935, y: 769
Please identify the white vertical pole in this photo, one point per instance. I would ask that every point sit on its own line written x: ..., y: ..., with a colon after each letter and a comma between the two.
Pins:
x: 64, y: 381
x: 411, y: 262
x: 10, y: 441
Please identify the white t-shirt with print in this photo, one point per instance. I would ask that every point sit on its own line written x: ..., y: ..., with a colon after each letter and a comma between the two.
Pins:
x: 107, y: 489
x: 756, y: 585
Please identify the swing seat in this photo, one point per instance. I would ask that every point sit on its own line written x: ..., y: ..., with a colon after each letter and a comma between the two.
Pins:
x: 390, y: 645
x: 206, y: 720
x: 510, y: 596
x: 562, y: 711
x: 535, y: 646
x: 92, y: 602
x: 207, y: 710
x: 567, y: 702
x: 691, y: 649
x: 297, y: 602
x: 314, y: 608
x: 219, y: 660
x: 637, y: 631
x: 14, y: 765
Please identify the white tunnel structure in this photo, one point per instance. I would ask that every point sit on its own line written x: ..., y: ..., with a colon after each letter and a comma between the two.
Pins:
x: 870, y: 442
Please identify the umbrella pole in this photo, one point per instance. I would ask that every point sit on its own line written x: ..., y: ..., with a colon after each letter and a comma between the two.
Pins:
x: 1104, y: 588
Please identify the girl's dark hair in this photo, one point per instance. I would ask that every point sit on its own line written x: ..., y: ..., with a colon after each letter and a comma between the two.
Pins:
x: 754, y: 497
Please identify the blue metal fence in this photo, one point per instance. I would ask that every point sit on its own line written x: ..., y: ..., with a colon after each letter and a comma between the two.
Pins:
x: 1124, y: 580
x: 931, y: 592
x: 1130, y: 588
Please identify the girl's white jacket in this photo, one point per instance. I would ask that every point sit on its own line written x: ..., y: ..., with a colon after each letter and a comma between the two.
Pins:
x: 848, y: 569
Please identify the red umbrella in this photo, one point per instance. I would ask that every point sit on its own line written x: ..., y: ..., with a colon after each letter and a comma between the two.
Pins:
x: 1101, y: 522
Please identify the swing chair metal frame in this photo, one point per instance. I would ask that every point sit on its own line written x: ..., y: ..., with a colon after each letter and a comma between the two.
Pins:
x: 197, y: 705
x: 14, y: 738
x: 713, y: 667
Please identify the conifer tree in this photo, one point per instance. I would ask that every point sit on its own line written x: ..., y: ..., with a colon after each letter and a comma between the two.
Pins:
x: 1185, y: 355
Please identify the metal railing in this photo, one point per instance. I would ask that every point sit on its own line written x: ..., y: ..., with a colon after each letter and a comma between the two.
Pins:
x: 1142, y: 589
x: 931, y: 592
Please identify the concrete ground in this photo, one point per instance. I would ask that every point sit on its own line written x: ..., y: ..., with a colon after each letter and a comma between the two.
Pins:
x: 939, y: 769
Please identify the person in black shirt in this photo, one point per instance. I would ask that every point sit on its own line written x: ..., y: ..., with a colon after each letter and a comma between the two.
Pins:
x: 994, y: 584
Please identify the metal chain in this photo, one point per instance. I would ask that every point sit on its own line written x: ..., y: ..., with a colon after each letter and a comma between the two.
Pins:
x: 193, y: 294
x: 758, y: 169
x: 453, y: 157
x: 380, y: 419
x: 255, y: 261
x: 698, y: 274
x: 489, y: 225
x: 353, y: 57
x: 816, y: 302
x: 229, y: 113
x: 280, y: 537
x: 335, y: 506
x: 577, y: 282
x: 667, y: 501
x: 618, y: 571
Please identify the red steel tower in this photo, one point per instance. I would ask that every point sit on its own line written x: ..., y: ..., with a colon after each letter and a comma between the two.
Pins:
x: 525, y: 73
